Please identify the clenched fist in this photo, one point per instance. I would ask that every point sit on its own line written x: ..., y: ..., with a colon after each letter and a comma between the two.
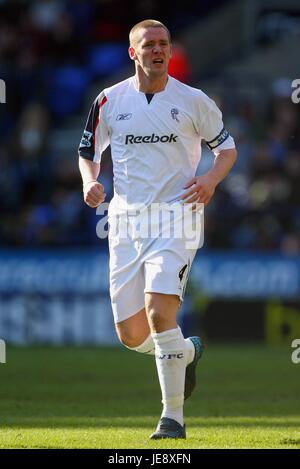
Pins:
x: 93, y: 193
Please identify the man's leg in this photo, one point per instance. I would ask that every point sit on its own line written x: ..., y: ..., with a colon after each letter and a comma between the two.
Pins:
x: 165, y: 339
x: 173, y: 354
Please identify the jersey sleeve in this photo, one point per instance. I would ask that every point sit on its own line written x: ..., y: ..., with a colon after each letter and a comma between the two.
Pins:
x: 95, y: 137
x: 211, y: 127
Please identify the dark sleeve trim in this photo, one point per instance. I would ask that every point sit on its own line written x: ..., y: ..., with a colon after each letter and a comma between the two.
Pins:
x: 218, y: 140
x: 88, y: 141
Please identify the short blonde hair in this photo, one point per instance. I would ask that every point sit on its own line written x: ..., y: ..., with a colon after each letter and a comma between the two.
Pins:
x: 145, y: 25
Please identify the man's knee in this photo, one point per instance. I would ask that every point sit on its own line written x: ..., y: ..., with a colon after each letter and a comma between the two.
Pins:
x: 158, y: 316
x: 133, y: 331
x: 128, y: 337
x: 155, y: 316
x: 161, y: 311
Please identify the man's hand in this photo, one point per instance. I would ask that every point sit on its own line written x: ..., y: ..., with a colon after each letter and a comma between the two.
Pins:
x: 201, y: 190
x: 93, y: 193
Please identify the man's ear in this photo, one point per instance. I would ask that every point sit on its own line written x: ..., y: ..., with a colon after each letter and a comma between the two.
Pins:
x: 132, y: 53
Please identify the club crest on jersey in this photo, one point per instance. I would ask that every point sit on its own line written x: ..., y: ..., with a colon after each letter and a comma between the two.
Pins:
x: 124, y: 117
x: 174, y: 114
x: 86, y: 139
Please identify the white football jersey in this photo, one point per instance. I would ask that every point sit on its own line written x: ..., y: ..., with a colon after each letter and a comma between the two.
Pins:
x: 155, y: 143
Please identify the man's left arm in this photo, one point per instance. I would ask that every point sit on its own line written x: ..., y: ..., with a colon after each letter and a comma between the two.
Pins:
x: 202, y: 188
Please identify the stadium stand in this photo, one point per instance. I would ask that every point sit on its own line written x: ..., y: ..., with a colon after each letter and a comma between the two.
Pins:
x: 55, y: 56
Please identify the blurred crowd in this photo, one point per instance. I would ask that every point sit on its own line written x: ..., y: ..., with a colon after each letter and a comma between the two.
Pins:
x: 51, y: 54
x: 258, y: 205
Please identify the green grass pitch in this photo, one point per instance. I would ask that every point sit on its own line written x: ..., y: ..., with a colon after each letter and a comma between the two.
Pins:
x: 248, y: 396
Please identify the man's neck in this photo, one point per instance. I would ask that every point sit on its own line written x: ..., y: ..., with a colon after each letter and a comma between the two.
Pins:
x: 148, y: 85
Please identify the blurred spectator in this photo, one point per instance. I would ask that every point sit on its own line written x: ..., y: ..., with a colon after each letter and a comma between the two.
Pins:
x: 179, y: 66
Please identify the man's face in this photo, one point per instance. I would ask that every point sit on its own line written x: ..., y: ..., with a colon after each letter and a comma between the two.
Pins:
x: 151, y: 50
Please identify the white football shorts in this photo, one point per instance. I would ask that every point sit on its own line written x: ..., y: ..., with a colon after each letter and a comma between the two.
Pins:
x: 159, y: 263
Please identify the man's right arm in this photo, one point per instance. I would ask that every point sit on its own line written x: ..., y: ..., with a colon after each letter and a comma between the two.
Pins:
x: 93, y: 191
x: 94, y: 140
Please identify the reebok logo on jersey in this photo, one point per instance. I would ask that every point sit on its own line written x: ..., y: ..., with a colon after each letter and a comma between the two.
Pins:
x: 151, y: 139
x: 124, y: 117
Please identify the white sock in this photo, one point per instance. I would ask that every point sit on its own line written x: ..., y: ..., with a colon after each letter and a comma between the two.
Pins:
x: 171, y: 360
x: 146, y: 347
